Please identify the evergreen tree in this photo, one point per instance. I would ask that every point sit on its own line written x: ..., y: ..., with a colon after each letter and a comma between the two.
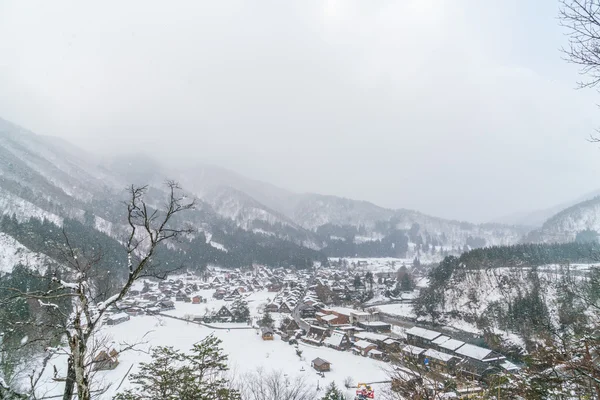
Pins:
x: 357, y: 281
x: 266, y: 320
x: 333, y: 393
x: 240, y: 311
x: 173, y: 375
x: 406, y: 284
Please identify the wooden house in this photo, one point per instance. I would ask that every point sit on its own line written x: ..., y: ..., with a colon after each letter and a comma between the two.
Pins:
x: 321, y: 365
x: 272, y: 307
x: 224, y: 315
x: 307, y: 311
x: 421, y: 337
x: 440, y: 361
x: 182, y: 296
x: 338, y: 340
x: 413, y: 353
x: 166, y: 305
x: 284, y: 308
x: 289, y: 327
x: 363, y: 347
x: 267, y: 333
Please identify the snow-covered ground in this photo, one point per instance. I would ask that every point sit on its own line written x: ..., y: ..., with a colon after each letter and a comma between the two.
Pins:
x: 245, y: 347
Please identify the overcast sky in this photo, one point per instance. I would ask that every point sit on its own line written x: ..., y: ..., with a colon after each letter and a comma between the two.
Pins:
x: 458, y: 108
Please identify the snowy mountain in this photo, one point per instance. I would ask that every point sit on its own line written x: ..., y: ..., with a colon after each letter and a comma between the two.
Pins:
x: 565, y: 225
x: 245, y: 200
x: 47, y: 184
x: 48, y: 179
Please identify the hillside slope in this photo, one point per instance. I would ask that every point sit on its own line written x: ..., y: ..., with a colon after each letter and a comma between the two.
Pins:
x: 564, y: 226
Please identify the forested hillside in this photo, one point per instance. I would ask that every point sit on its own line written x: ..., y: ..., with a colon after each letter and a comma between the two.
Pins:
x: 516, y: 295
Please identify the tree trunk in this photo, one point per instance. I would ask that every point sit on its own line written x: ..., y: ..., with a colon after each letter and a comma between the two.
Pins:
x: 78, y: 349
x: 70, y: 382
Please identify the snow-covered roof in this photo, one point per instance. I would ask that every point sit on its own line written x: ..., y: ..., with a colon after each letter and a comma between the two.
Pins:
x: 329, y: 317
x: 343, y: 310
x: 441, y: 340
x: 363, y: 344
x: 438, y: 355
x: 371, y: 336
x: 475, y: 352
x: 390, y: 341
x: 412, y: 349
x: 360, y: 313
x: 451, y: 344
x: 375, y: 323
x: 423, y: 333
x: 335, y: 339
x: 508, y: 366
x: 375, y: 352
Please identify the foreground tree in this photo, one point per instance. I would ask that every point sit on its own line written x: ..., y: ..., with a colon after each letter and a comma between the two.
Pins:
x: 174, y: 375
x: 148, y: 229
x: 333, y: 393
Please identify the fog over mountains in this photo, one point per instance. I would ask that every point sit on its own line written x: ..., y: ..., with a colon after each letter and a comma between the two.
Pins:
x: 241, y: 220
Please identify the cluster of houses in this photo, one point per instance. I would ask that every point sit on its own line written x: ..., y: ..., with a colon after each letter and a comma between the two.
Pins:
x: 441, y: 352
x: 286, y: 300
x: 364, y: 334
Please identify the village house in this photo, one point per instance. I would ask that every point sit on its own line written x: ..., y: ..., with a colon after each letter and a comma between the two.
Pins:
x: 267, y: 333
x: 412, y: 353
x: 363, y: 347
x: 376, y: 326
x: 284, y: 308
x: 478, y: 362
x: 342, y: 313
x: 447, y: 344
x: 376, y: 354
x: 338, y: 340
x: 166, y: 305
x: 391, y: 346
x: 315, y: 335
x: 289, y: 327
x: 182, y: 296
x: 321, y: 365
x: 421, y: 337
x: 440, y: 361
x: 224, y: 315
x: 196, y: 299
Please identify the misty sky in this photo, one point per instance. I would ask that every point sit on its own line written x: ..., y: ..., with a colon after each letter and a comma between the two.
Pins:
x: 458, y: 108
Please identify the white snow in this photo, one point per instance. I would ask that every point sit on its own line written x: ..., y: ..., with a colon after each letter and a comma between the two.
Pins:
x: 24, y: 210
x: 12, y: 253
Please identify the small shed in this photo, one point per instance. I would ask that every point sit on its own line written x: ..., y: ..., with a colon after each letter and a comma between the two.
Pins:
x: 196, y: 299
x: 267, y: 333
x: 321, y: 365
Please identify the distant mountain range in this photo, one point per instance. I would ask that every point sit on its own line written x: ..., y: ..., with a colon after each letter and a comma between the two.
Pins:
x: 239, y: 220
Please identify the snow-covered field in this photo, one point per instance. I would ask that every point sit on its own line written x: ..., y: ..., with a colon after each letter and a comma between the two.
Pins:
x: 245, y: 347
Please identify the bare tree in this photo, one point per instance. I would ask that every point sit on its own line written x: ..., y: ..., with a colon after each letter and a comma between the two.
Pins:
x: 275, y: 386
x: 582, y: 22
x: 148, y: 228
